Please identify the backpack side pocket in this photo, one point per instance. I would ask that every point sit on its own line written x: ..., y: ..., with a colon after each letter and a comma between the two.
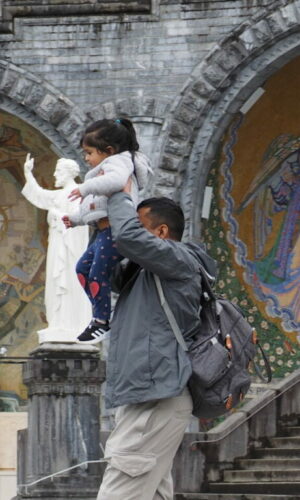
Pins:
x: 221, y: 397
x: 210, y: 361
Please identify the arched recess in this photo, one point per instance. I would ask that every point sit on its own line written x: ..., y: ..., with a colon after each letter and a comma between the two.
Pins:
x: 35, y: 117
x: 214, y: 93
x: 209, y: 103
x: 148, y: 115
x: 41, y: 105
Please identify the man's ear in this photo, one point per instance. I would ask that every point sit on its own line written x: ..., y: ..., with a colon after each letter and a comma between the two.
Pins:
x: 163, y: 231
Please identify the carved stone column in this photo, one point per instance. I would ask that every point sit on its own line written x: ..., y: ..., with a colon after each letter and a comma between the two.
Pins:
x: 64, y: 382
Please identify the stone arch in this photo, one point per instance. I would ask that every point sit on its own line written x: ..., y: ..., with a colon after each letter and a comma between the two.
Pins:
x: 148, y: 114
x: 214, y: 93
x: 41, y: 105
x: 143, y: 108
x: 57, y: 117
x: 44, y: 107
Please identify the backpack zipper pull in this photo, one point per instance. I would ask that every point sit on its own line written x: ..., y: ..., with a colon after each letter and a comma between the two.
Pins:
x: 229, y: 402
x: 228, y: 342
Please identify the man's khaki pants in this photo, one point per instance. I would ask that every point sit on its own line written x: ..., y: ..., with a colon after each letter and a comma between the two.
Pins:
x: 141, y: 448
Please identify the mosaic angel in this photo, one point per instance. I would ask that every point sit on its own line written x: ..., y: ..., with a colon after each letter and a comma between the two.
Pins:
x: 275, y: 192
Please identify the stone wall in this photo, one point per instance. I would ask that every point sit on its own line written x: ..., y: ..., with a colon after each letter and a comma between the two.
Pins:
x: 73, y: 62
x: 95, y: 58
x: 10, y: 423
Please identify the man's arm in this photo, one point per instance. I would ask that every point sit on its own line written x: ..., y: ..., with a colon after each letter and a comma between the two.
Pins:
x: 167, y: 258
x: 122, y: 273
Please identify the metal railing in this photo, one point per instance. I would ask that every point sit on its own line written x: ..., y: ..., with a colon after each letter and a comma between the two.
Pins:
x: 252, y: 413
x: 51, y: 476
x: 194, y: 444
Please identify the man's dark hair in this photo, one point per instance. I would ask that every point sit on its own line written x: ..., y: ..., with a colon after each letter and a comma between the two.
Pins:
x: 165, y: 211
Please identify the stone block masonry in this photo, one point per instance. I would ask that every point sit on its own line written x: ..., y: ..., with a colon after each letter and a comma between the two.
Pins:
x: 98, y: 57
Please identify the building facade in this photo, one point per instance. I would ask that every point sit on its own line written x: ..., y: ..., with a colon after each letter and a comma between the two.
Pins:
x: 212, y: 88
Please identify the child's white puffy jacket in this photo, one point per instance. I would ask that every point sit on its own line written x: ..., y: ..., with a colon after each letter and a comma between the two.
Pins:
x: 106, y: 178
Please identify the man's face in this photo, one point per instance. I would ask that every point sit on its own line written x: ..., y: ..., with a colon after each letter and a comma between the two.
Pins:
x: 159, y: 230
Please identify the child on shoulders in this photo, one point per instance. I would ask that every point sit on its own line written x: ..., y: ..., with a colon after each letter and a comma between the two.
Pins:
x: 111, y: 150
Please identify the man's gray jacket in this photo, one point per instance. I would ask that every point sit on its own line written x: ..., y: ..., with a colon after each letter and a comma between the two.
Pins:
x: 145, y: 361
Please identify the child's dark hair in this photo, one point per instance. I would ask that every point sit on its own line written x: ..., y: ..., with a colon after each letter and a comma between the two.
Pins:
x: 165, y: 211
x: 119, y: 134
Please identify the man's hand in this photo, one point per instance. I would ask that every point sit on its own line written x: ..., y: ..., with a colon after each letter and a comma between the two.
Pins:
x: 127, y: 187
x: 75, y: 194
x: 67, y: 221
x: 28, y: 165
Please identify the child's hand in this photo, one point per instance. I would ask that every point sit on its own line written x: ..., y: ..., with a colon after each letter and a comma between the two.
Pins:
x: 66, y: 221
x: 75, y: 194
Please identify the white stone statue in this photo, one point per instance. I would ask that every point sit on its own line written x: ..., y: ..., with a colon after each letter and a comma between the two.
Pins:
x: 67, y: 308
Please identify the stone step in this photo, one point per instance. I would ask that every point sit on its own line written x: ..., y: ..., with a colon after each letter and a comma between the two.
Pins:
x: 262, y: 487
x: 291, y: 431
x: 285, y: 442
x: 232, y: 496
x: 276, y: 453
x: 272, y: 464
x: 241, y: 476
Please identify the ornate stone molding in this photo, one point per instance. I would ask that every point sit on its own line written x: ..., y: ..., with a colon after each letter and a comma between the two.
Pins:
x: 216, y: 90
x: 35, y: 101
x: 143, y: 109
x: 42, y: 105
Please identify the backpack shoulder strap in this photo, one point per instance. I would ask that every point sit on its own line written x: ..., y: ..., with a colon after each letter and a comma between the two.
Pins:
x: 169, y: 314
x: 206, y: 283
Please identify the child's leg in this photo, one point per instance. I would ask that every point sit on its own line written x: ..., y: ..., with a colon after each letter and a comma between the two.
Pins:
x: 83, y: 268
x: 105, y: 259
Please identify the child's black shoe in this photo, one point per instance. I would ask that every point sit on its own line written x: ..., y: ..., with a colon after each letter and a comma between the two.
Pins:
x: 95, y: 332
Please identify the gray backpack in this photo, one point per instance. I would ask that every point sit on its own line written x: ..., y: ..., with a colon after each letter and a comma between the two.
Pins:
x: 220, y: 353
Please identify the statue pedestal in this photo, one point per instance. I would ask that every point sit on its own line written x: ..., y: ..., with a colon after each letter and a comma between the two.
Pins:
x: 64, y: 382
x: 61, y: 336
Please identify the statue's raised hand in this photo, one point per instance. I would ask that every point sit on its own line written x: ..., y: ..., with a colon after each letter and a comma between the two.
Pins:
x: 28, y: 165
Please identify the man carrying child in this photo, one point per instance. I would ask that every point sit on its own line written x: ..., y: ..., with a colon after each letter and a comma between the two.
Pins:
x: 147, y: 370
